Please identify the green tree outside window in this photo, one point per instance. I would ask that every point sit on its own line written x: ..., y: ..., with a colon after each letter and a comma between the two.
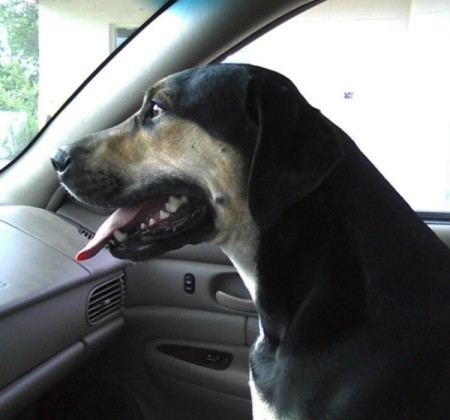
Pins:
x: 19, y: 76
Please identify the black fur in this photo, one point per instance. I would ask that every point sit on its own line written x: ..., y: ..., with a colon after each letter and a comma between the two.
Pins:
x: 356, y: 293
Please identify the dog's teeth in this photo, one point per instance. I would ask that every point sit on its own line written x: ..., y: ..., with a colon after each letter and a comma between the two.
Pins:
x: 170, y: 207
x: 120, y: 236
x: 143, y: 226
x: 151, y: 222
x: 175, y: 203
x: 163, y: 215
x: 112, y: 242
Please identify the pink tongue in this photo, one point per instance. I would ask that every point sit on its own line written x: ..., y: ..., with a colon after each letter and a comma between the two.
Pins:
x: 121, y: 218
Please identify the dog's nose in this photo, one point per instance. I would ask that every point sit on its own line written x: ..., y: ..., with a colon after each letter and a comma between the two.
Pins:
x: 60, y: 160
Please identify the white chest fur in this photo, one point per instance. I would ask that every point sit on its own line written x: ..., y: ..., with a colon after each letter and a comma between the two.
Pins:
x: 246, y: 267
x: 260, y: 409
x: 241, y: 251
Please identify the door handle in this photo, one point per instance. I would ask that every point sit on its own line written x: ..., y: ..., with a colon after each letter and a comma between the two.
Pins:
x: 234, y: 302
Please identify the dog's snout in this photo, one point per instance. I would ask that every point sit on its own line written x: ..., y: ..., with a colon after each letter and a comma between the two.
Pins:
x: 60, y: 160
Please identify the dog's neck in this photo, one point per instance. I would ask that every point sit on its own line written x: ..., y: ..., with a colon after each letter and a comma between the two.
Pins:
x: 241, y: 247
x: 246, y: 267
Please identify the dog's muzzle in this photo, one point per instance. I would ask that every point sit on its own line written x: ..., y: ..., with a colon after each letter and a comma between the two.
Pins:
x: 163, y: 215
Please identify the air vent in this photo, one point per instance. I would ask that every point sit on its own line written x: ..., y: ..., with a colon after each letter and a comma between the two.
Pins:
x: 89, y: 235
x: 84, y: 232
x: 106, y: 300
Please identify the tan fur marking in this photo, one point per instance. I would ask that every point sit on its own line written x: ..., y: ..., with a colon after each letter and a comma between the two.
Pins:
x: 173, y: 146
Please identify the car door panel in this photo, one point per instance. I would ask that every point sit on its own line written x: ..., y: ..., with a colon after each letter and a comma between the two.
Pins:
x: 169, y: 277
x: 158, y: 304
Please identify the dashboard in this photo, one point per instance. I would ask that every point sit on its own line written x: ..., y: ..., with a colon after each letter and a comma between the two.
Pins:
x: 54, y: 312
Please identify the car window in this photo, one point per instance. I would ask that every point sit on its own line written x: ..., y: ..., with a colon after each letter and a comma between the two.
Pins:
x: 47, y: 49
x: 380, y: 70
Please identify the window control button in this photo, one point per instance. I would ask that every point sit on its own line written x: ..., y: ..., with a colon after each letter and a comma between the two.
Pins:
x: 189, y: 283
x: 213, y: 357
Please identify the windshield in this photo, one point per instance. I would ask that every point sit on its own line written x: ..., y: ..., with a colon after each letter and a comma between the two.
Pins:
x: 47, y: 49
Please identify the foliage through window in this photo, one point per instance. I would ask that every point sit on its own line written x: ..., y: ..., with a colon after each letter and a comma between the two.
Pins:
x: 19, y: 76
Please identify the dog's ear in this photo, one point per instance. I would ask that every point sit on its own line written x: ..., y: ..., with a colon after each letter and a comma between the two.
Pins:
x: 296, y: 147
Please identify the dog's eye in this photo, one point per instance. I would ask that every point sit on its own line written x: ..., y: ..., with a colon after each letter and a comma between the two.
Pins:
x: 157, y: 110
x: 153, y: 111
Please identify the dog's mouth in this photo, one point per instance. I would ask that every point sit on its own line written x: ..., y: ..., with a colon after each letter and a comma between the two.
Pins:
x: 151, y: 228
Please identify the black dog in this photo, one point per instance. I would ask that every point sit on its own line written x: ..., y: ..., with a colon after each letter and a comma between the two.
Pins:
x: 352, y: 289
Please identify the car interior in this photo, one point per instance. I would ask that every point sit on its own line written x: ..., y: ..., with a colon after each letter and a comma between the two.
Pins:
x: 170, y: 338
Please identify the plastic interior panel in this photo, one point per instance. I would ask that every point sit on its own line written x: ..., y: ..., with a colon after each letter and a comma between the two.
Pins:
x: 231, y: 381
x: 200, y: 403
x: 37, y: 381
x: 96, y: 340
x: 161, y: 282
x: 40, y: 263
x: 160, y: 322
x: 38, y: 332
x: 58, y: 235
x: 43, y: 291
x: 19, y: 394
x: 32, y: 271
x: 80, y: 215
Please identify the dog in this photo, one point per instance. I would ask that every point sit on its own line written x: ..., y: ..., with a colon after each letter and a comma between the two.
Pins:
x: 352, y: 289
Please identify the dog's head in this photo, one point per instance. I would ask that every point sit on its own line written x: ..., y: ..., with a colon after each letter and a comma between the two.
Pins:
x: 209, y: 147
